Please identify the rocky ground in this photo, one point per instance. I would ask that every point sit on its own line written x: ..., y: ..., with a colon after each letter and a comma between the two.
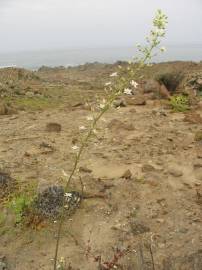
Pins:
x: 141, y: 173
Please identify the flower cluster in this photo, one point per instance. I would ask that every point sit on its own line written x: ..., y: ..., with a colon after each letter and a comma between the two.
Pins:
x: 154, y: 39
x: 129, y: 91
x: 160, y: 20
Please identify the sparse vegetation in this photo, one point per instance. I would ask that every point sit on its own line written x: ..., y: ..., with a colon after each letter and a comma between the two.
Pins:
x: 170, y: 79
x: 18, y: 205
x: 141, y: 135
x: 180, y: 103
x: 20, y: 200
x: 33, y: 103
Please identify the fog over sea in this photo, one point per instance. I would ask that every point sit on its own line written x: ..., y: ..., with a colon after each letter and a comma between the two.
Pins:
x: 74, y: 57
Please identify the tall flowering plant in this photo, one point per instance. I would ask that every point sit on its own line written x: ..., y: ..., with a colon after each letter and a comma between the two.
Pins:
x: 122, y: 81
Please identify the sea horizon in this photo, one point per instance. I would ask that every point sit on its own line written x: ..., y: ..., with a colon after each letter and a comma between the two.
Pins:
x: 34, y: 59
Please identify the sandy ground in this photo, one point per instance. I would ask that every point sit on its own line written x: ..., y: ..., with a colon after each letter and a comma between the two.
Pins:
x: 155, y: 208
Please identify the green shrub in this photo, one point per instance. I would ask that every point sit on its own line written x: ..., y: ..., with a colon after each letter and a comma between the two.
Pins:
x: 179, y: 103
x: 19, y: 205
x: 170, y: 79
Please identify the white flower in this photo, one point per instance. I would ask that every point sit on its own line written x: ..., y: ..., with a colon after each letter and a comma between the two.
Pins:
x: 68, y: 195
x: 82, y: 128
x: 89, y: 118
x: 64, y: 173
x: 163, y: 49
x: 75, y: 147
x: 127, y: 91
x: 108, y: 83
x: 102, y: 105
x: 115, y: 74
x: 62, y: 260
x: 134, y: 84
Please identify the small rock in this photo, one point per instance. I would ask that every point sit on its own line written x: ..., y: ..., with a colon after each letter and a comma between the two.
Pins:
x: 133, y: 110
x: 117, y: 124
x: 183, y: 230
x: 78, y: 104
x: 197, y: 165
x: 85, y: 169
x: 193, y: 118
x: 29, y: 94
x: 5, y: 179
x: 53, y: 127
x: 48, y: 148
x: 199, y: 195
x: 119, y: 103
x: 198, y: 136
x: 3, y: 109
x: 127, y: 174
x: 159, y: 112
x: 147, y: 168
x: 6, y: 184
x: 199, y: 81
x: 198, y: 173
x: 161, y: 245
x: 199, y: 151
x: 137, y: 100
x: 50, y: 200
x: 139, y: 228
x: 3, y: 263
x: 160, y: 220
x: 32, y: 152
x: 175, y: 172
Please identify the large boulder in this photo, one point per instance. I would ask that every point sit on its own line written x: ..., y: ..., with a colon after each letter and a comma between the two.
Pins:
x: 151, y: 86
x: 163, y: 92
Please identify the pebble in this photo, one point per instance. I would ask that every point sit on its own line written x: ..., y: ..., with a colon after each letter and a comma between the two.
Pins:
x: 127, y: 174
x: 160, y: 220
x: 147, y: 168
x: 198, y: 174
x: 175, y: 172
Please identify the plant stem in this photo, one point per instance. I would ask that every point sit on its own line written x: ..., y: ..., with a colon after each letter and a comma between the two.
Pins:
x: 118, y: 90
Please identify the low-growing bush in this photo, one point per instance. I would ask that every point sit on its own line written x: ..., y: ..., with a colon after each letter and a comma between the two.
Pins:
x: 170, y: 79
x: 179, y: 103
x: 19, y: 205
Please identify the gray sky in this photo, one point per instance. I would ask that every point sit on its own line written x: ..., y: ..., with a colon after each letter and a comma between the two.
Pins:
x: 49, y: 24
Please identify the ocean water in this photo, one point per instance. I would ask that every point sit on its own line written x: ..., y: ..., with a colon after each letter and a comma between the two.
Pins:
x: 73, y: 57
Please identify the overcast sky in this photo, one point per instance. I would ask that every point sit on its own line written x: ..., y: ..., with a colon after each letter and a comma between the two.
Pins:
x: 49, y: 24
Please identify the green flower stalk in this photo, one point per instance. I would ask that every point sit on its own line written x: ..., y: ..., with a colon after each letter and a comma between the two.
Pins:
x: 121, y: 82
